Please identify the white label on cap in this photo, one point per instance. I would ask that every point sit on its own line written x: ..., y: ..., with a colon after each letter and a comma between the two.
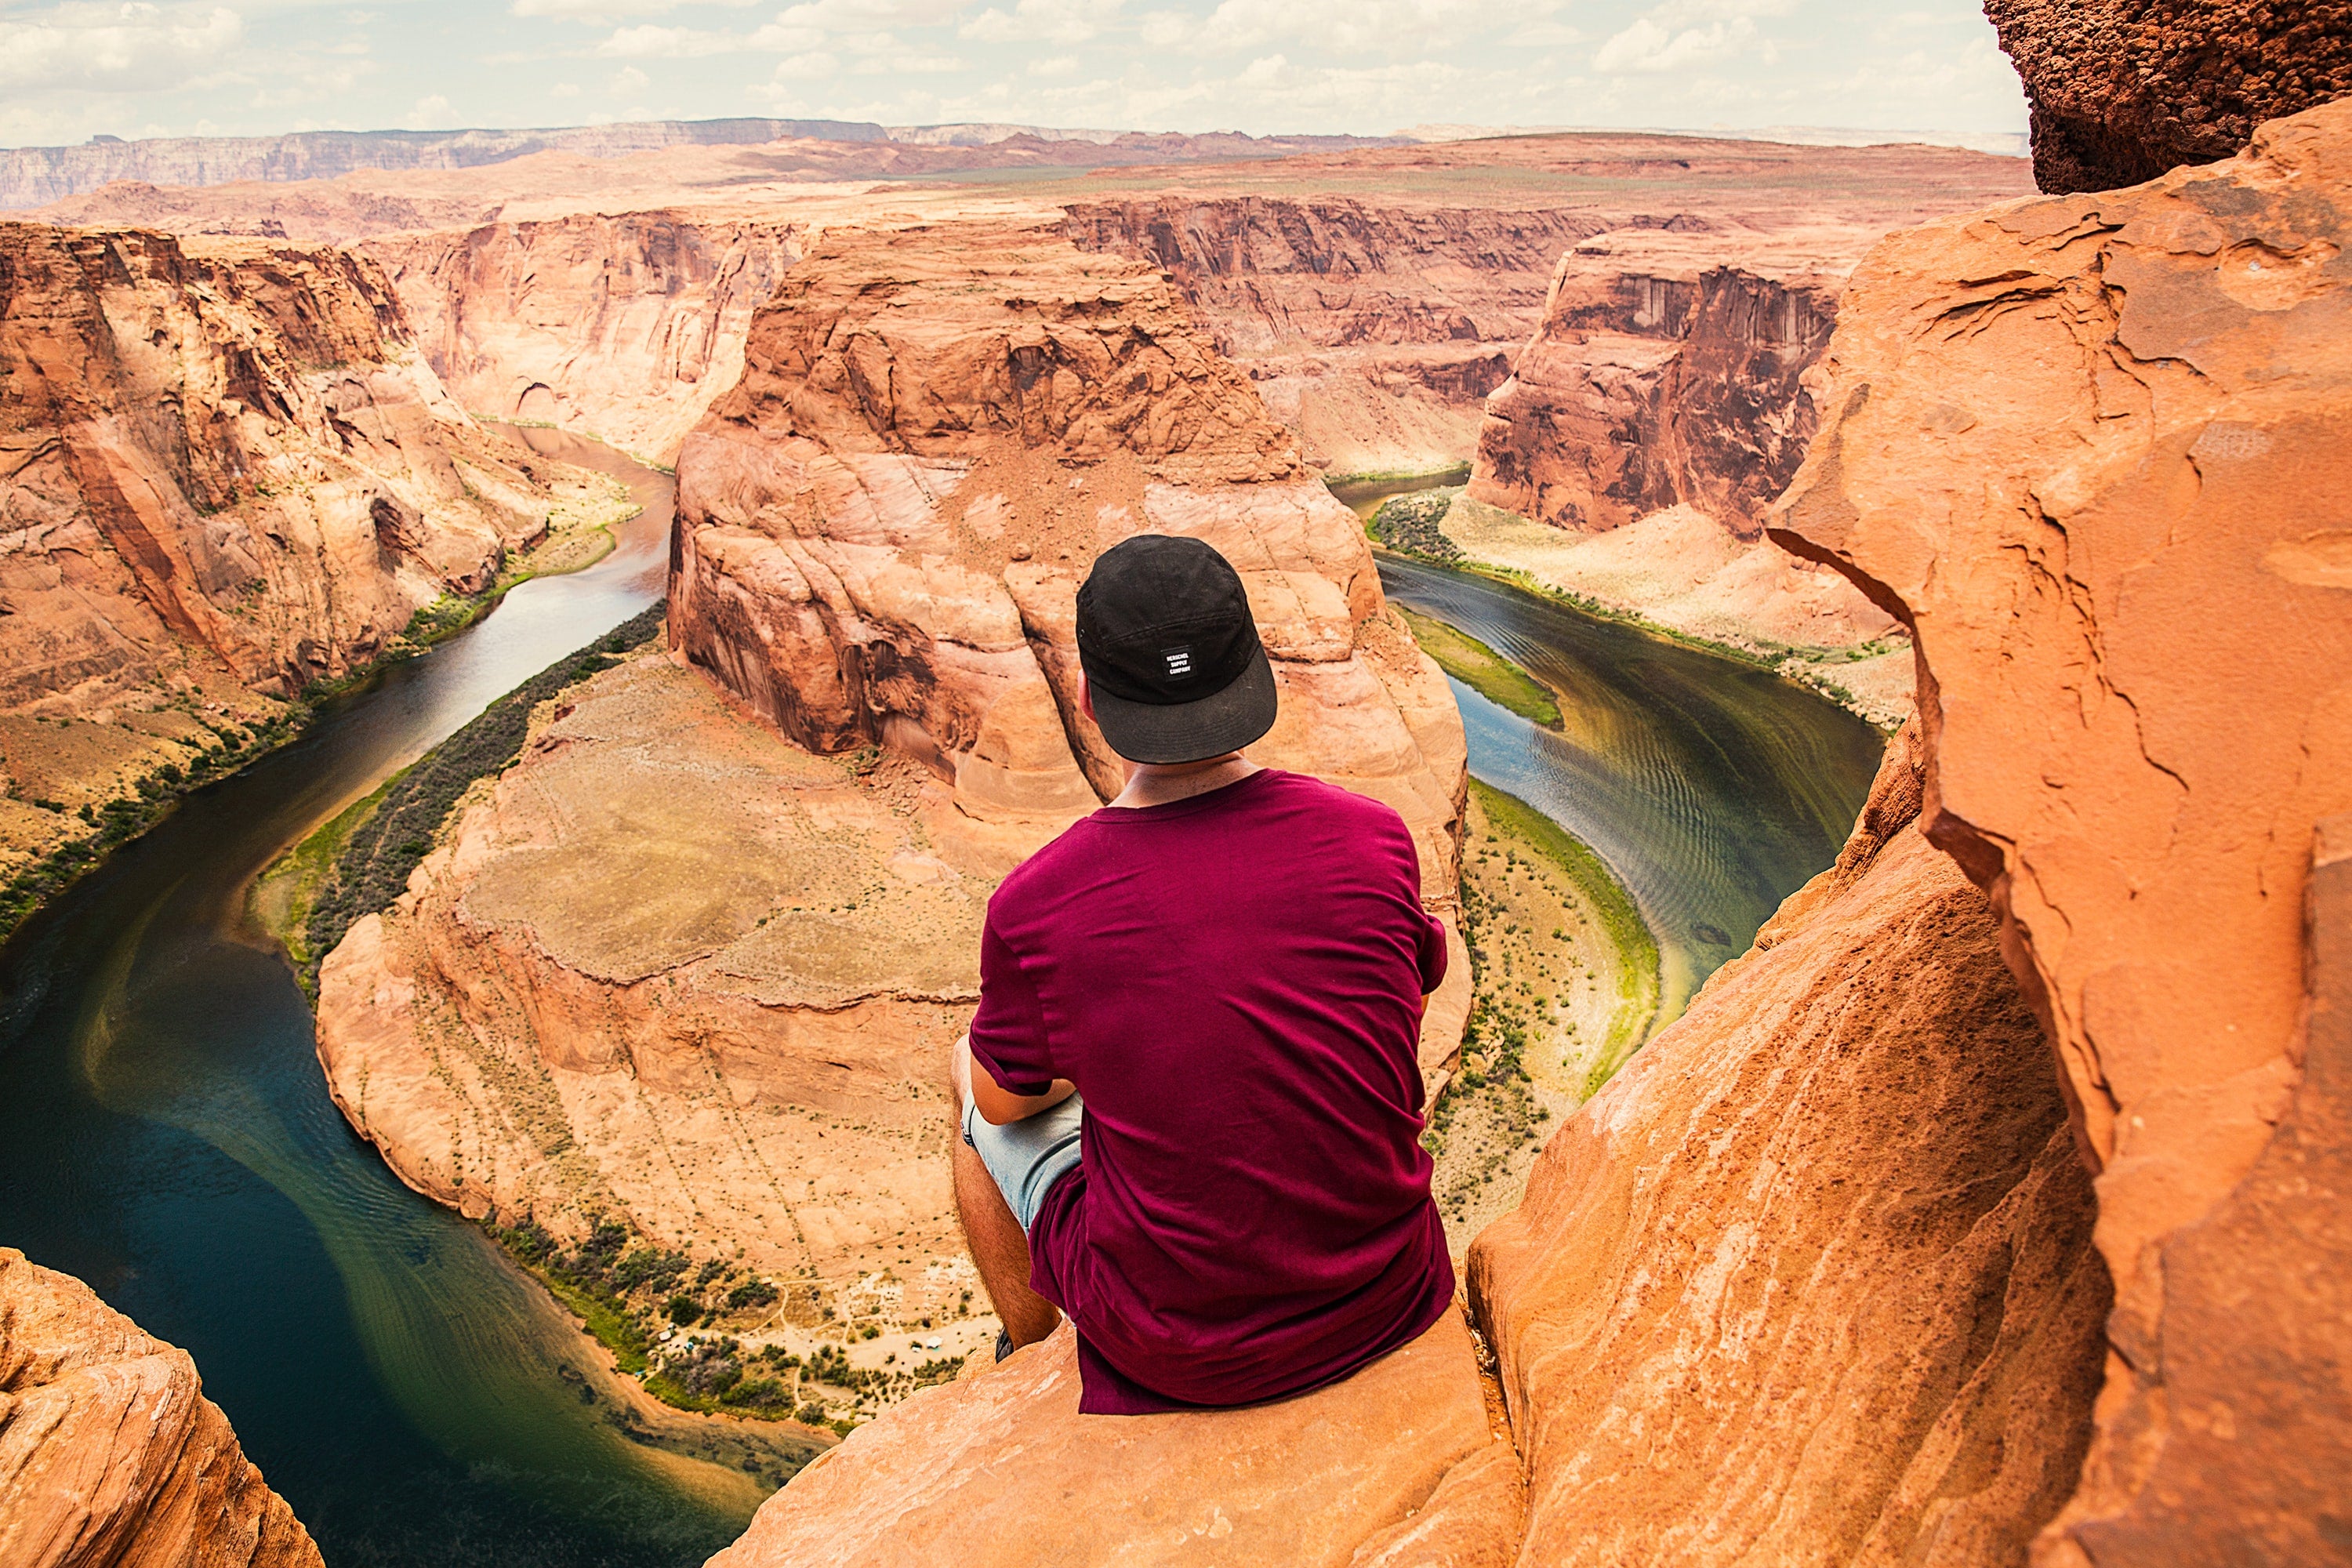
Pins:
x: 1179, y: 661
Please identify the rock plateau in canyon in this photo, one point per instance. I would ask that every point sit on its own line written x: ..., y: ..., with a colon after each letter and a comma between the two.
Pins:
x: 738, y: 1036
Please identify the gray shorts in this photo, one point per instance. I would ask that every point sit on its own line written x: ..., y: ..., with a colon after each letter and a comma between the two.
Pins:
x: 1027, y: 1157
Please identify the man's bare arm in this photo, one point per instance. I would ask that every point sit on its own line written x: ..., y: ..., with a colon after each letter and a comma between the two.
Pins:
x: 999, y: 1106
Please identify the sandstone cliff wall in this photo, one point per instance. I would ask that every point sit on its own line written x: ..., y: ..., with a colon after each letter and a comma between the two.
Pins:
x: 2119, y: 92
x: 225, y: 472
x: 1813, y: 1280
x: 1661, y: 403
x: 2094, y: 450
x: 697, y: 960
x: 110, y: 1457
x: 620, y: 327
x: 1375, y: 330
x: 882, y: 529
x: 1666, y: 371
x: 226, y: 452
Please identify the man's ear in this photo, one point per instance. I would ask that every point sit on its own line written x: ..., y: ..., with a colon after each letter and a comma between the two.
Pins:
x: 1086, y: 699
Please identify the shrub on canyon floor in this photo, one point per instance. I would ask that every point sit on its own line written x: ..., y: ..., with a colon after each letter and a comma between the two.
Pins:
x: 123, y: 817
x: 750, y: 1294
x: 1409, y: 524
x: 654, y: 1269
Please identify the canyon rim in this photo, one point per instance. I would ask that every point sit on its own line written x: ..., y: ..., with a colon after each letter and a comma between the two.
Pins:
x: 1990, y: 1209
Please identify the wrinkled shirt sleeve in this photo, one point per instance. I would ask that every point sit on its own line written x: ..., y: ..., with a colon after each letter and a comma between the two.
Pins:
x: 1008, y: 1032
x: 1432, y: 955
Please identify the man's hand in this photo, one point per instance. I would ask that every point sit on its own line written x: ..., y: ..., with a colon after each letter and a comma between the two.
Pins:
x: 999, y: 1106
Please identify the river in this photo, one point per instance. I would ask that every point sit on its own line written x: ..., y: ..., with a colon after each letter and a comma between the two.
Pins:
x: 166, y: 1134
x: 1712, y: 789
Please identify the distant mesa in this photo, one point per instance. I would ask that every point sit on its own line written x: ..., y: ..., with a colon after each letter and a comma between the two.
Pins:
x: 36, y: 176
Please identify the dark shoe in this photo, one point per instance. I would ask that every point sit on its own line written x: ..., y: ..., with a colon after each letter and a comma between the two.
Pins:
x: 1003, y: 1343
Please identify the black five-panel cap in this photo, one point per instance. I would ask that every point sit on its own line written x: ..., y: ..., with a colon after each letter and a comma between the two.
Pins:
x: 1170, y: 654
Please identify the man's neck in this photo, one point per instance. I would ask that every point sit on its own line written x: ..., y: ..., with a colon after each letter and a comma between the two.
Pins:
x: 1159, y: 784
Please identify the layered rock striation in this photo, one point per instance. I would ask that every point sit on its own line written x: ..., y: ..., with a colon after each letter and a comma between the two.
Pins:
x: 225, y: 473
x: 1661, y: 403
x: 882, y: 529
x: 1667, y: 394
x: 696, y: 961
x: 1812, y: 1279
x: 111, y: 1456
x: 225, y: 452
x: 624, y: 327
x: 2121, y: 93
x: 2091, y: 449
x: 1374, y: 329
x: 1668, y: 371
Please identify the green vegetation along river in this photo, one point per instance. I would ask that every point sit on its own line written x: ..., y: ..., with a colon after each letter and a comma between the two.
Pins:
x: 1712, y: 789
x: 165, y: 1135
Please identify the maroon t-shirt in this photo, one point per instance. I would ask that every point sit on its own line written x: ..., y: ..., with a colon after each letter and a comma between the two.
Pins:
x: 1235, y: 983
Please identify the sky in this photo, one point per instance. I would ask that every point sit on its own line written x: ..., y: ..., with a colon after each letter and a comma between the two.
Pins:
x: 71, y: 70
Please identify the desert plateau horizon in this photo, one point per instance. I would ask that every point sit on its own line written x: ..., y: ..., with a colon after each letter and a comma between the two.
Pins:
x: 544, y: 671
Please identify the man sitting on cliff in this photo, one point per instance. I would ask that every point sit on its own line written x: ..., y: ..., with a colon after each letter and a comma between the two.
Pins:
x: 1192, y: 1105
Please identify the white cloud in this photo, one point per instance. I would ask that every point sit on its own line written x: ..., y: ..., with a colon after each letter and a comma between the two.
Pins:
x: 812, y: 67
x: 432, y: 114
x: 1049, y: 21
x: 608, y: 10
x: 851, y: 15
x: 908, y: 65
x: 1650, y: 46
x: 115, y: 48
x: 628, y: 79
x: 655, y: 43
x: 565, y: 90
x: 1395, y: 28
x: 1059, y: 66
x: 778, y: 38
x: 1545, y: 35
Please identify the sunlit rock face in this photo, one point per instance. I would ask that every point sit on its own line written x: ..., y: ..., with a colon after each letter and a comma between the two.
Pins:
x: 2121, y: 93
x: 882, y: 530
x: 1811, y: 1280
x: 624, y: 327
x: 1373, y: 328
x: 1669, y: 371
x: 224, y: 457
x: 110, y: 1457
x: 2094, y: 450
x: 1403, y: 1463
